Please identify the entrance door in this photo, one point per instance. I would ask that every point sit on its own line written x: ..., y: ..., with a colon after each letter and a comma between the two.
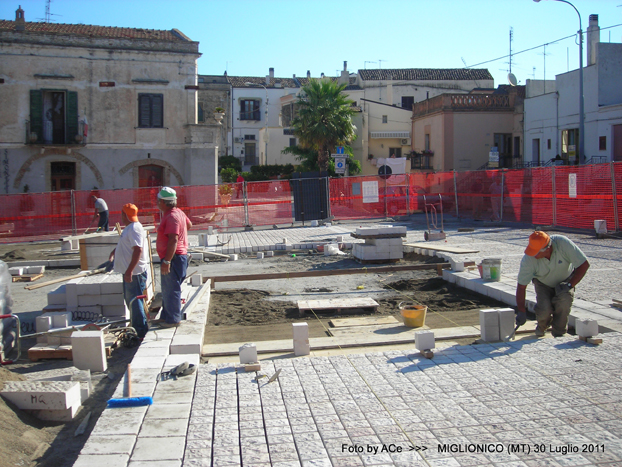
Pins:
x: 617, y: 143
x: 535, y: 151
x: 63, y: 176
x: 150, y: 176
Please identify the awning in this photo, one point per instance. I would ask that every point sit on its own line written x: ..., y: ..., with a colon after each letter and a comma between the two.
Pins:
x: 389, y: 134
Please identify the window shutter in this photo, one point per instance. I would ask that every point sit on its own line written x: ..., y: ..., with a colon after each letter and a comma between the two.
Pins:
x: 200, y: 113
x: 157, y: 111
x: 36, y: 114
x: 72, y: 116
x: 144, y: 111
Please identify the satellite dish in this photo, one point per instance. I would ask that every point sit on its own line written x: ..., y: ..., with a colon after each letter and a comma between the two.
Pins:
x: 384, y: 171
x: 512, y: 79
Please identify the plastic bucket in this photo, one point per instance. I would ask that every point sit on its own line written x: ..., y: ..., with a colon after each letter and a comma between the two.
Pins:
x: 491, y: 269
x: 413, y: 314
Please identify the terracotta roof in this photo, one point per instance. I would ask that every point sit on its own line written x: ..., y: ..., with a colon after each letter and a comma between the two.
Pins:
x: 88, y: 30
x: 304, y: 81
x: 240, y: 82
x: 432, y: 74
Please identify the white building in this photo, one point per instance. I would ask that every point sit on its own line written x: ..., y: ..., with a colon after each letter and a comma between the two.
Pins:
x: 552, y: 112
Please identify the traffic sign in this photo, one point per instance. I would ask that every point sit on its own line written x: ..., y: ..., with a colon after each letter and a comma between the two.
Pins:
x: 340, y: 150
x: 340, y: 165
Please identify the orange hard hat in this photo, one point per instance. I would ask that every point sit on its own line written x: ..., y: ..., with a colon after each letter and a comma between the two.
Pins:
x: 537, y: 241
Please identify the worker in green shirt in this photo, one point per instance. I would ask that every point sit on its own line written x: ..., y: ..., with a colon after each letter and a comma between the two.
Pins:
x: 555, y: 265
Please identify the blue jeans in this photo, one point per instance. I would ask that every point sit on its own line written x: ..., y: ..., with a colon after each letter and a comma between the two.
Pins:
x: 171, y: 289
x: 103, y: 224
x: 132, y: 290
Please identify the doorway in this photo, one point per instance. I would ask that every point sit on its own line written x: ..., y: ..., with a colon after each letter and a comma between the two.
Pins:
x: 54, y: 117
x: 535, y: 151
x: 617, y: 143
x: 63, y: 176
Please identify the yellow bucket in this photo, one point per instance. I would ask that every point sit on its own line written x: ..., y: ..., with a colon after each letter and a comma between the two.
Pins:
x: 413, y: 314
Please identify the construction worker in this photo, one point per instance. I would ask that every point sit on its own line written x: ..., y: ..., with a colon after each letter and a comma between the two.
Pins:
x: 172, y: 248
x: 555, y: 265
x: 131, y: 258
x: 101, y: 210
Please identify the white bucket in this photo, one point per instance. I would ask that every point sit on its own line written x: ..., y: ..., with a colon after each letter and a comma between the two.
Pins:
x: 600, y: 226
x: 491, y: 269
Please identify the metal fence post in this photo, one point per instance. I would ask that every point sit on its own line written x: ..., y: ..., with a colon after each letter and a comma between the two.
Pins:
x: 244, y: 193
x: 554, y: 195
x: 456, y: 194
x: 74, y: 221
x: 615, y: 197
x: 502, y: 189
x: 408, y: 194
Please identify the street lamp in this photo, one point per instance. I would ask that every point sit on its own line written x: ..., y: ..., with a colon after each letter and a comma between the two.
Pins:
x: 265, y: 137
x: 581, y: 116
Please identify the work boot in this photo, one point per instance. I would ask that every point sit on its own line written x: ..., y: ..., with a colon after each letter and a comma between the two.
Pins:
x: 539, y: 332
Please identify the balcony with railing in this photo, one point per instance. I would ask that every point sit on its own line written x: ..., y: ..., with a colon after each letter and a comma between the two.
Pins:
x: 463, y: 102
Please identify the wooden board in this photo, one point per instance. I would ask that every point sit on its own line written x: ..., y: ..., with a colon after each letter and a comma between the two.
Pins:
x: 336, y: 305
x: 365, y: 321
x: 448, y: 249
x: 46, y: 352
x: 27, y: 277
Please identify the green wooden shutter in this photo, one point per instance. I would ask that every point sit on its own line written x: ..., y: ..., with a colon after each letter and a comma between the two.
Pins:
x: 144, y: 111
x: 71, y: 116
x: 36, y: 114
x: 157, y: 111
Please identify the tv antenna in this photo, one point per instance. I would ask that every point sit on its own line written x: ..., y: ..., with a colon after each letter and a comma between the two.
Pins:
x: 366, y: 62
x: 48, y: 13
x: 380, y: 63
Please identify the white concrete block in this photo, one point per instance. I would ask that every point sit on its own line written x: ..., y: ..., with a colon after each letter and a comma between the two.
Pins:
x: 58, y: 296
x: 71, y: 292
x: 15, y: 271
x: 202, y: 239
x: 61, y: 415
x: 88, y: 350
x: 120, y: 311
x: 65, y: 245
x: 90, y: 285
x: 507, y: 322
x: 489, y: 324
x: 314, y: 223
x: 233, y: 257
x: 248, y: 353
x: 260, y: 255
x: 424, y: 340
x: 339, y: 239
x: 35, y: 269
x: 301, y: 331
x: 43, y: 323
x: 112, y: 284
x: 269, y: 254
x: 301, y: 348
x: 448, y: 276
x: 210, y: 230
x: 89, y: 300
x: 112, y: 299
x: 61, y: 320
x: 197, y: 280
x: 586, y: 327
x: 49, y: 395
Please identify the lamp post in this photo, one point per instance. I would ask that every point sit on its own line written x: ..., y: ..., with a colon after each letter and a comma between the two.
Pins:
x: 265, y: 137
x: 581, y: 116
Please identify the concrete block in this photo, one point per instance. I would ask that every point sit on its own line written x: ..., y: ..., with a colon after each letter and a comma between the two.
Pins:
x: 202, y: 239
x: 112, y: 284
x: 233, y: 257
x: 71, y: 292
x: 43, y: 323
x: 301, y: 331
x: 489, y: 325
x: 15, y: 271
x: 339, y: 239
x: 260, y: 255
x: 61, y: 415
x: 58, y: 296
x: 586, y: 327
x: 89, y: 300
x: 269, y: 254
x: 61, y: 320
x: 88, y: 350
x: 314, y: 223
x: 49, y: 395
x: 448, y: 276
x: 424, y: 340
x: 65, y: 245
x: 301, y: 348
x: 112, y: 299
x: 507, y: 322
x: 90, y: 285
x: 35, y: 269
x: 248, y: 353
x: 197, y: 280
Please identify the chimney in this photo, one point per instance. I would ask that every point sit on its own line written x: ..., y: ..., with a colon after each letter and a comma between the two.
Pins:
x: 345, y: 76
x: 322, y: 75
x: 593, y: 38
x: 20, y: 22
x: 308, y: 74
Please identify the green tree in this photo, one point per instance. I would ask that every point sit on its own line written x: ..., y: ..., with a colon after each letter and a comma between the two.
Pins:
x: 324, y: 121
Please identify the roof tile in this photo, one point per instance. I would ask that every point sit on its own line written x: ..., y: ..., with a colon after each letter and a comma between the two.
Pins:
x: 432, y: 74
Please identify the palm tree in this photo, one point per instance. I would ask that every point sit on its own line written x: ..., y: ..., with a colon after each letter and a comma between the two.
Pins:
x: 324, y: 119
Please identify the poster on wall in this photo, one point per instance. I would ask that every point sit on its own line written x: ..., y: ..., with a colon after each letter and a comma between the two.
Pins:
x: 370, y: 192
x: 572, y: 185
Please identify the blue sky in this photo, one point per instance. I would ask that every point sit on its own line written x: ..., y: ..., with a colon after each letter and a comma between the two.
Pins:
x: 246, y: 37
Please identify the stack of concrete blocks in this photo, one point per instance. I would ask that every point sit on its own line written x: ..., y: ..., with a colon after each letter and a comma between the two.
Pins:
x: 65, y: 374
x: 21, y: 270
x: 47, y: 400
x: 301, y: 339
x: 88, y: 350
x: 196, y: 280
x: 424, y: 340
x: 383, y: 243
x: 496, y: 323
x: 248, y: 354
x: 70, y: 244
x: 95, y: 250
x: 208, y: 240
x: 51, y: 321
x: 188, y: 338
x: 586, y: 327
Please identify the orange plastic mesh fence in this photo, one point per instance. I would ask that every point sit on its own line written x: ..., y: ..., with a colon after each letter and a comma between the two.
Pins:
x: 527, y: 196
x: 269, y: 202
x: 364, y: 197
x: 431, y: 189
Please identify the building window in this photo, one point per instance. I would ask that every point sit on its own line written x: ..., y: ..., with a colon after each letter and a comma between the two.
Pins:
x: 150, y: 111
x: 249, y: 109
x: 288, y: 131
x: 249, y: 153
x: 395, y: 152
x: 407, y: 102
x: 569, y: 145
x: 201, y: 116
x: 292, y: 142
x: 602, y: 143
x: 548, y: 143
x: 427, y: 142
x: 53, y: 117
x: 249, y: 137
x: 385, y: 119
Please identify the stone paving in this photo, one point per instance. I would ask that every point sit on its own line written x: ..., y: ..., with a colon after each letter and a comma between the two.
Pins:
x: 548, y: 402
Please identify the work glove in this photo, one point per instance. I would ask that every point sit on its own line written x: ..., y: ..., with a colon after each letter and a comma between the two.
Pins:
x: 562, y: 288
x: 521, y: 318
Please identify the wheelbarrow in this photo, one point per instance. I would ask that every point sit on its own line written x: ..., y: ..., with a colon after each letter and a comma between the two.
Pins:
x: 432, y: 217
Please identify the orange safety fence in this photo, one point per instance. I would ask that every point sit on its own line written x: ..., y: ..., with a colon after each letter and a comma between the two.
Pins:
x: 566, y: 196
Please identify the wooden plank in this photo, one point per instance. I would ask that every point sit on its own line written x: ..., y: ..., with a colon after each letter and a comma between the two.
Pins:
x: 448, y: 249
x: 27, y: 277
x: 326, y: 272
x: 340, y: 303
x: 36, y: 354
x: 363, y: 321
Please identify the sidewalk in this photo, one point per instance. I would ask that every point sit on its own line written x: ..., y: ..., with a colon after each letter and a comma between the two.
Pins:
x: 501, y: 401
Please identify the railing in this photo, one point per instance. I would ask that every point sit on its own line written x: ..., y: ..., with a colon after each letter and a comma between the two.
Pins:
x: 597, y: 160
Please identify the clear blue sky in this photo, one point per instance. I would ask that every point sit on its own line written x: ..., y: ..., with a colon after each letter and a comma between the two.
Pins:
x: 246, y: 37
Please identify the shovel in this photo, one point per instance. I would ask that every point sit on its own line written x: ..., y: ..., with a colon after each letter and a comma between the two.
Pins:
x: 513, y: 335
x: 106, y: 266
x: 87, y: 229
